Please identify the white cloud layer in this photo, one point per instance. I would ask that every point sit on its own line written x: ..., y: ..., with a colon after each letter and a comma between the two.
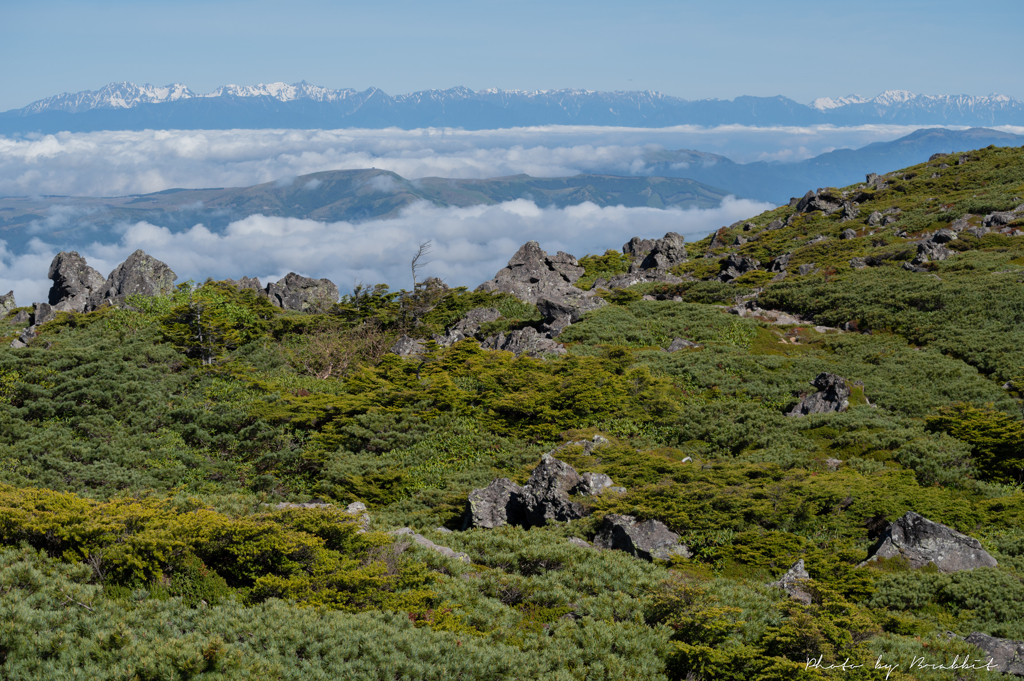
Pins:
x: 124, y: 162
x: 470, y: 244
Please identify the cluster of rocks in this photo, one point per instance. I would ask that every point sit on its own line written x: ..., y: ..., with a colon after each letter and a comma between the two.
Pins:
x: 750, y: 308
x: 735, y: 265
x: 77, y: 287
x: 827, y: 202
x: 554, y: 493
x: 833, y: 395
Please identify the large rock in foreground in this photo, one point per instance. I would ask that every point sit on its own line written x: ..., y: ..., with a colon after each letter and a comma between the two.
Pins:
x: 140, y: 274
x: 649, y: 539
x: 832, y: 395
x: 921, y: 541
x: 74, y: 282
x: 1006, y: 655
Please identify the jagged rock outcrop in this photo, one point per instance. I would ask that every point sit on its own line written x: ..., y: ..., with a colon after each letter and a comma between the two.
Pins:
x: 295, y: 292
x: 548, y: 496
x: 140, y: 274
x: 655, y: 254
x: 420, y: 540
x: 819, y: 200
x: 535, y: 277
x: 7, y: 303
x: 1006, y: 655
x: 933, y: 248
x: 74, y: 283
x: 921, y: 541
x: 850, y: 211
x: 735, y: 265
x: 832, y: 395
x: 407, y: 347
x: 526, y: 341
x: 648, y: 539
x: 794, y: 581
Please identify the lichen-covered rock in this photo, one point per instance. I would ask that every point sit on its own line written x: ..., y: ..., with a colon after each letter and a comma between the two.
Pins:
x: 921, y: 541
x: 832, y: 395
x: 74, y: 282
x: 140, y: 274
x: 648, y: 539
x: 7, y: 303
x: 592, y: 484
x: 1006, y: 655
x: 794, y: 582
x: 295, y: 292
x: 500, y: 503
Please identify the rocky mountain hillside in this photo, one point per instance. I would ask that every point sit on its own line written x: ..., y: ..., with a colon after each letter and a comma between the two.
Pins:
x: 791, y: 450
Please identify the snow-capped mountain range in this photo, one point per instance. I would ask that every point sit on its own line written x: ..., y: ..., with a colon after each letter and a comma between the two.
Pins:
x: 129, y: 106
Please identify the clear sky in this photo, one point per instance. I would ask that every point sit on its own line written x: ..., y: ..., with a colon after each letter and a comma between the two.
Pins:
x: 718, y: 48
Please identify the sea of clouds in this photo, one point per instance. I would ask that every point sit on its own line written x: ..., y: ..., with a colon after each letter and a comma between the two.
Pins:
x: 116, y: 163
x: 469, y: 244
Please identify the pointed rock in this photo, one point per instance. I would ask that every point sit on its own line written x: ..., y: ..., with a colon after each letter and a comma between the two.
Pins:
x: 140, y: 274
x: 793, y: 583
x: 74, y: 282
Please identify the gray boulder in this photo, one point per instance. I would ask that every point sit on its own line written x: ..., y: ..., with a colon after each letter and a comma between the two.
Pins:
x: 668, y: 251
x: 140, y: 274
x: 295, y: 292
x: 7, y: 303
x: 74, y: 283
x: 848, y: 234
x: 735, y: 265
x: 420, y: 540
x: 922, y: 541
x: 1004, y: 654
x: 592, y: 484
x: 42, y: 313
x: 794, y: 581
x: 780, y: 263
x: 407, y: 347
x: 850, y: 212
x: 929, y: 250
x: 1000, y: 218
x: 875, y: 219
x: 858, y: 263
x: 547, y: 492
x: 806, y: 268
x: 500, y: 503
x: 681, y: 344
x: 961, y: 223
x: 832, y: 395
x: 648, y: 540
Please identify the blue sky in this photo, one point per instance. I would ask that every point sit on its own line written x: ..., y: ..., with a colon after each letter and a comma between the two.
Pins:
x: 725, y: 48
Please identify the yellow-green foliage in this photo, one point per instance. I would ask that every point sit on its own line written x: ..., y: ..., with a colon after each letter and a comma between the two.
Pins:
x: 601, y: 267
x: 314, y: 556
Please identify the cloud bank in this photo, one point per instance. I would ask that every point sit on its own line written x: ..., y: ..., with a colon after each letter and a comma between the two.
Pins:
x: 124, y: 162
x: 470, y: 244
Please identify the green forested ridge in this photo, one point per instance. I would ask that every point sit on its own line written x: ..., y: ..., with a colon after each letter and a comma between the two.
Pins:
x: 144, y: 452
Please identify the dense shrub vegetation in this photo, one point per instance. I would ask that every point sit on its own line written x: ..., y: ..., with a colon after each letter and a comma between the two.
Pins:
x: 152, y: 459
